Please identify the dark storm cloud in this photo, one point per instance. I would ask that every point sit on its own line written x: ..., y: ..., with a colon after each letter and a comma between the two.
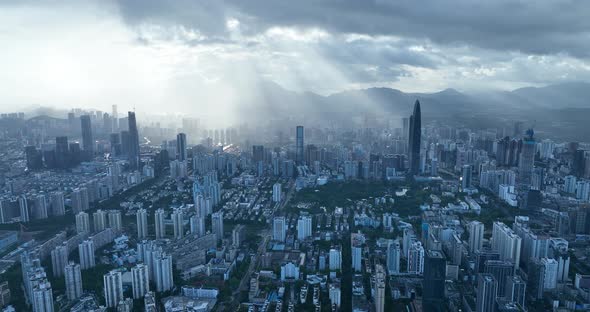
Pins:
x: 531, y: 27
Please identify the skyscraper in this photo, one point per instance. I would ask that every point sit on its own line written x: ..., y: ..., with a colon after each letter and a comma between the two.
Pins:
x: 393, y: 257
x: 379, y: 286
x: 415, y: 136
x: 42, y: 297
x: 181, y: 147
x: 73, y: 278
x: 217, y: 224
x: 299, y: 145
x: 57, y: 203
x: 115, y: 222
x: 115, y: 116
x: 163, y: 272
x: 279, y: 229
x: 506, y: 243
x: 86, y: 250
x: 178, y: 223
x: 133, y: 148
x: 80, y: 200
x: 257, y: 153
x: 142, y: 224
x: 82, y: 223
x: 87, y: 140
x: 276, y: 192
x: 476, y: 230
x: 515, y: 290
x: 59, y: 259
x: 303, y: 227
x: 113, y: 288
x: 486, y: 293
x: 159, y: 216
x: 335, y: 259
x: 466, y: 177
x: 434, y: 281
x: 501, y: 270
x: 140, y: 280
x: 99, y: 218
x: 527, y: 159
x: 62, y: 152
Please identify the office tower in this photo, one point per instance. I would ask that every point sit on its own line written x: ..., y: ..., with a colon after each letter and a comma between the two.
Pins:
x: 34, y: 158
x: 115, y: 143
x: 279, y: 229
x: 42, y: 297
x: 217, y: 224
x: 476, y: 230
x: 87, y: 140
x: 140, y: 280
x: 163, y: 272
x: 133, y: 147
x: 506, y: 243
x: 59, y: 259
x: 62, y: 159
x: 73, y: 278
x: 415, y: 137
x: 80, y: 201
x: 82, y: 223
x: 181, y: 153
x: 335, y: 257
x: 579, y: 162
x: 86, y: 250
x: 527, y: 159
x: 99, y: 218
x: 142, y: 223
x: 115, y: 220
x: 57, y: 203
x: 257, y: 153
x: 197, y: 225
x: 405, y: 128
x: 178, y: 223
x: 303, y: 227
x: 433, y: 293
x: 299, y: 137
x: 23, y: 206
x: 160, y: 226
x: 393, y: 257
x: 501, y: 270
x: 115, y: 116
x: 379, y: 286
x: 416, y: 258
x: 536, y: 278
x: 515, y: 290
x: 550, y: 273
x: 486, y: 293
x: 466, y: 177
x: 113, y: 288
x: 125, y: 143
x: 276, y: 192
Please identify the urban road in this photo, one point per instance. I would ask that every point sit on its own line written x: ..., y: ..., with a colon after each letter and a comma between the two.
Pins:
x: 254, y: 259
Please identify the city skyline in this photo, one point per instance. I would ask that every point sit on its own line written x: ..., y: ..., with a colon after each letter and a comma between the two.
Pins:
x: 283, y: 156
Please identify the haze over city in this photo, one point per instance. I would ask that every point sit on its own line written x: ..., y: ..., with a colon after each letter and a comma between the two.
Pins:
x: 328, y: 156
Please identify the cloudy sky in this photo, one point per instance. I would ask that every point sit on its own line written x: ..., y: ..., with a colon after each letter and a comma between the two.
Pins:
x: 189, y: 56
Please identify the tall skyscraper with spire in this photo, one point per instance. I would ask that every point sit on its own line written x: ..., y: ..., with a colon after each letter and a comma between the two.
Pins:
x: 414, y: 138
